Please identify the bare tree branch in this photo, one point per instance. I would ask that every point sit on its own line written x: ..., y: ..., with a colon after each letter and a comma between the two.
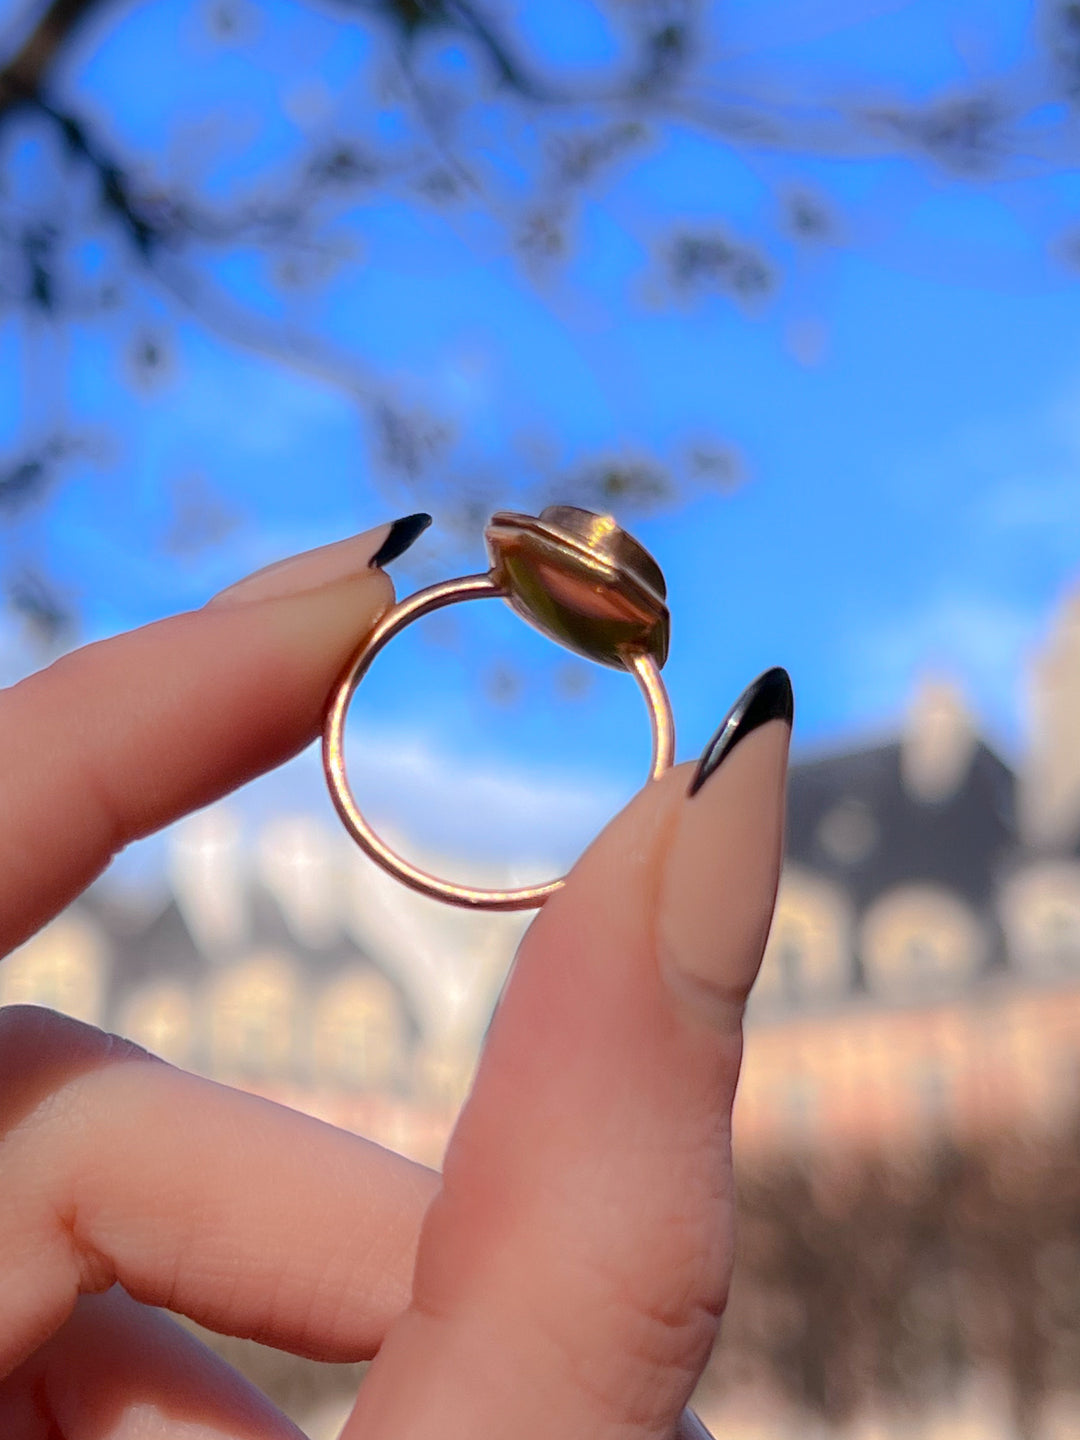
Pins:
x: 25, y: 73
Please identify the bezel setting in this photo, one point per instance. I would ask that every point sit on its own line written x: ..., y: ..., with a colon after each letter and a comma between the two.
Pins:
x: 580, y: 579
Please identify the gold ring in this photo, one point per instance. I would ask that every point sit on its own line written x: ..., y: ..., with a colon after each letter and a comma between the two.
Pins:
x: 580, y: 580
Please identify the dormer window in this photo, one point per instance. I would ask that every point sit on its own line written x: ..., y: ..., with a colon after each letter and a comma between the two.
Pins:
x: 253, y: 1014
x: 360, y: 1037
x: 808, y: 955
x: 848, y: 833
x: 1040, y: 914
x: 920, y: 939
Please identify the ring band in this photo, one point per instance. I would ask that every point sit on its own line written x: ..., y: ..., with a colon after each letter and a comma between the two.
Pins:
x: 582, y: 581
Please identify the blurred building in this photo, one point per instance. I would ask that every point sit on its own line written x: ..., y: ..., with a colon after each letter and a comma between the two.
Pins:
x: 293, y: 968
x: 923, y: 970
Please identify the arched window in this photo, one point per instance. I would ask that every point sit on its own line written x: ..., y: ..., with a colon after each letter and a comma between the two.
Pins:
x: 253, y: 1006
x: 63, y: 967
x: 1040, y: 914
x: 920, y: 939
x: 808, y: 955
x: 360, y: 1034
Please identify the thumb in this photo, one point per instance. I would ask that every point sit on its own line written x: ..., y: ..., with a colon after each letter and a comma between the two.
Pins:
x: 573, y: 1268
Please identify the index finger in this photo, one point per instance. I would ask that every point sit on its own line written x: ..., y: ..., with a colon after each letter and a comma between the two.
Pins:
x: 119, y: 738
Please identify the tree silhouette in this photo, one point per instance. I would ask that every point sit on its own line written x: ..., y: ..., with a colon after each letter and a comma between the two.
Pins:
x: 560, y: 137
x: 870, y: 1281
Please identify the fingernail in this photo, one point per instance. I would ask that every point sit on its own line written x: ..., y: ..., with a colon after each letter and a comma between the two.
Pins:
x: 329, y: 563
x: 722, y: 868
x: 770, y: 697
x: 403, y: 533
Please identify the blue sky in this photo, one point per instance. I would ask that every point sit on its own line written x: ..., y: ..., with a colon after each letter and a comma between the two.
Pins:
x: 905, y: 403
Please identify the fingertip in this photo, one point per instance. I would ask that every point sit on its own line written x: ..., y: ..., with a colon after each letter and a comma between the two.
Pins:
x: 122, y: 737
x: 720, y: 876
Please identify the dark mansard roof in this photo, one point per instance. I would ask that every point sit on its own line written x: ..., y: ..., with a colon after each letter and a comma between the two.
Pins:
x: 851, y: 818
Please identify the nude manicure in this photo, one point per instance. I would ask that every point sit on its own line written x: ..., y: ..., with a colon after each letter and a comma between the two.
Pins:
x: 723, y: 865
x: 329, y: 563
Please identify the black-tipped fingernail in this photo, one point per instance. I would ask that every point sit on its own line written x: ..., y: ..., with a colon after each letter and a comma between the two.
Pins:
x: 403, y: 533
x: 769, y: 698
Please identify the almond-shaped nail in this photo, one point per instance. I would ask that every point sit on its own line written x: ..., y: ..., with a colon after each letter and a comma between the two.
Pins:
x: 769, y: 697
x: 719, y: 881
x: 329, y: 563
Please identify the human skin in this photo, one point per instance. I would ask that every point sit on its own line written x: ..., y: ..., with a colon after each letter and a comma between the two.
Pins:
x: 565, y: 1275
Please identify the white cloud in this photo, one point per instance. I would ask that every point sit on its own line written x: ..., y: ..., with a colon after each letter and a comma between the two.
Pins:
x: 1048, y: 502
x: 489, y: 824
x: 433, y: 795
x: 1029, y: 466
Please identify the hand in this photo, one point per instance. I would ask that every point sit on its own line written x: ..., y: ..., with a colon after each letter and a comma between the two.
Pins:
x: 566, y: 1275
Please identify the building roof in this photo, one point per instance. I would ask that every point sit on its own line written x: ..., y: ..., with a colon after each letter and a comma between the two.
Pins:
x: 852, y: 819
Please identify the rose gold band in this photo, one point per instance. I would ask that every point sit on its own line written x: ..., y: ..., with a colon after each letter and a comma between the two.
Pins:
x: 470, y: 587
